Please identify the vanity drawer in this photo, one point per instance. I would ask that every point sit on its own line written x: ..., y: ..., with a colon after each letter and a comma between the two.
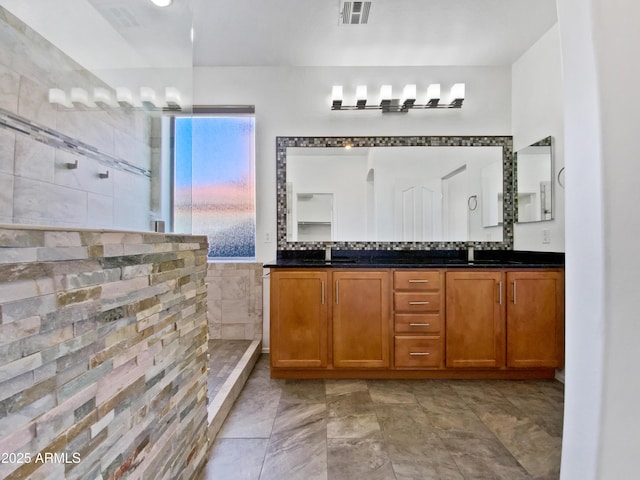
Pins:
x: 417, y: 352
x: 425, y: 323
x: 417, y: 280
x: 416, y: 302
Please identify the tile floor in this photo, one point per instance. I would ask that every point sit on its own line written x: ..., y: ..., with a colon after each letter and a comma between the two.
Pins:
x: 389, y: 429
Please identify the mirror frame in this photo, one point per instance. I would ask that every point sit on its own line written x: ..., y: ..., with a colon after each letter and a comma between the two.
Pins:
x: 506, y: 142
x: 545, y: 142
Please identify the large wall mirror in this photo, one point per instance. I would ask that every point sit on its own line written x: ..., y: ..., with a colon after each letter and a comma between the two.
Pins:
x: 395, y: 192
x: 534, y: 168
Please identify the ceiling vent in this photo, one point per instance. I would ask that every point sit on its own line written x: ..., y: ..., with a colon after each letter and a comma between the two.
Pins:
x: 355, y: 13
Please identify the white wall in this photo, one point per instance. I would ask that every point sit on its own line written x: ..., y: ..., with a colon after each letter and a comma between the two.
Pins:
x: 599, y: 42
x: 536, y: 101
x: 296, y: 102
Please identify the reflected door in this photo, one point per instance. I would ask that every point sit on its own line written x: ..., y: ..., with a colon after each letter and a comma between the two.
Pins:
x: 418, y: 213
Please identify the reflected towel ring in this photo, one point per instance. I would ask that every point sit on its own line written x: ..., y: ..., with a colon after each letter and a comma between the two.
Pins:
x: 472, y: 202
x: 561, y: 177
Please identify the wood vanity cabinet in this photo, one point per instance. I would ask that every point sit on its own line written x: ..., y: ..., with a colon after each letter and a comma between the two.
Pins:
x: 299, y: 321
x: 360, y: 319
x: 475, y: 332
x: 308, y: 304
x: 535, y: 314
x: 416, y: 323
x: 512, y: 319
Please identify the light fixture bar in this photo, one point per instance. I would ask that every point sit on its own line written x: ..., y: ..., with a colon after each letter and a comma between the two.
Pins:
x: 389, y: 104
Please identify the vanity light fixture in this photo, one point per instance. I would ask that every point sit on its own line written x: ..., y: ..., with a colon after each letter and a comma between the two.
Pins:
x: 102, y: 98
x: 80, y: 96
x: 361, y: 96
x: 123, y: 97
x: 457, y: 95
x: 433, y: 94
x: 389, y: 104
x: 148, y: 98
x: 386, y: 94
x: 59, y: 97
x: 336, y: 97
x: 172, y: 98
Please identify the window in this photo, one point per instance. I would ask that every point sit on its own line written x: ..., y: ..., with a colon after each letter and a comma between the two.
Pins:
x: 214, y: 182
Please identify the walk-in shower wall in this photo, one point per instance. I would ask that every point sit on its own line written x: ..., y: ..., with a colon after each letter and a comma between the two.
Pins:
x: 103, y: 354
x: 40, y: 143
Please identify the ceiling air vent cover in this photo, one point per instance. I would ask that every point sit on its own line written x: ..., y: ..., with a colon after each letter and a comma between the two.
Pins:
x: 355, y: 13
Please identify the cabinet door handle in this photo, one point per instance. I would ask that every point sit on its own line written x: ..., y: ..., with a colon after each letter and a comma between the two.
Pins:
x: 419, y: 354
x: 514, y: 292
x: 418, y: 281
x: 419, y: 303
x: 323, y: 292
x: 419, y: 324
x: 336, y: 292
x: 500, y: 291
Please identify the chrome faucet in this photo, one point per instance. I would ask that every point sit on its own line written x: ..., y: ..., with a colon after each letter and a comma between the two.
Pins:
x: 470, y: 253
x: 327, y: 253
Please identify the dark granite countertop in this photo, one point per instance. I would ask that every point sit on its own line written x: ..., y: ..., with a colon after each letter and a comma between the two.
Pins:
x: 416, y: 259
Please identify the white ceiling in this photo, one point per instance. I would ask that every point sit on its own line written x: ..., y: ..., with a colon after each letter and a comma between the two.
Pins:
x: 102, y: 34
x: 399, y: 32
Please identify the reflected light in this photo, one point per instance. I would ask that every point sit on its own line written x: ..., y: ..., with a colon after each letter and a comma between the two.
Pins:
x: 162, y: 3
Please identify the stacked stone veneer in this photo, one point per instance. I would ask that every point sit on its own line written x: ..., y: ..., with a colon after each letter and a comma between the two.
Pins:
x: 103, y: 355
x: 235, y: 301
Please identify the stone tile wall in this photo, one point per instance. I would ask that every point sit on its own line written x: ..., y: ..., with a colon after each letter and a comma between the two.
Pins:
x: 234, y: 301
x: 103, y: 354
x: 38, y: 140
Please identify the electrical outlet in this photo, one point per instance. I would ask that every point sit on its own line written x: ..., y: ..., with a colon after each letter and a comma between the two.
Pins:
x: 546, y: 236
x: 267, y: 237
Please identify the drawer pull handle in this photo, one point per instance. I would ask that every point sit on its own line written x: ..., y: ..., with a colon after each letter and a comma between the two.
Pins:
x: 419, y: 303
x: 419, y: 354
x: 419, y: 324
x: 418, y: 281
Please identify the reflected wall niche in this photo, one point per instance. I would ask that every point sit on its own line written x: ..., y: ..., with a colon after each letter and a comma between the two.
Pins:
x: 441, y: 149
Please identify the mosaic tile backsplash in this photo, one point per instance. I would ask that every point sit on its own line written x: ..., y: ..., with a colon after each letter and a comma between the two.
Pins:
x: 506, y: 142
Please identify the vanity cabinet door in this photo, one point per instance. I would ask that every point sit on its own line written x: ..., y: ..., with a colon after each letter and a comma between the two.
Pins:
x: 475, y: 334
x: 361, y: 318
x: 299, y: 318
x: 535, y: 319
